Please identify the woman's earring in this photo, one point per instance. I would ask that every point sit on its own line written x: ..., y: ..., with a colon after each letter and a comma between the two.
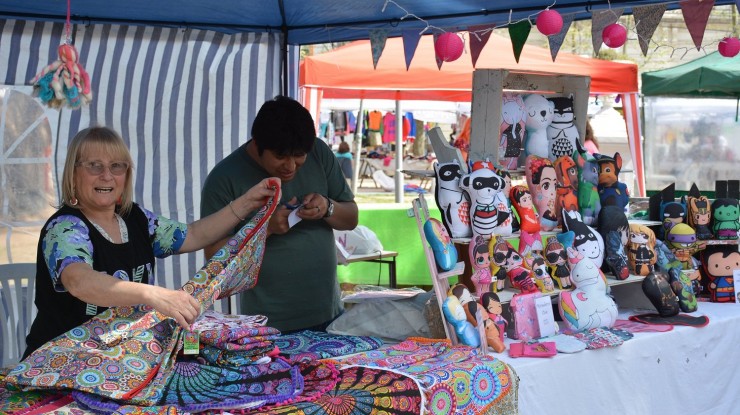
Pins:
x: 73, y: 200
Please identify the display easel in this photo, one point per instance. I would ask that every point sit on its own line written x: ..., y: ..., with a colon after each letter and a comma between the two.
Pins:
x: 440, y: 280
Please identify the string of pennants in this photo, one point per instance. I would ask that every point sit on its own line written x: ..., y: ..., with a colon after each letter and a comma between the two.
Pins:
x: 605, y: 29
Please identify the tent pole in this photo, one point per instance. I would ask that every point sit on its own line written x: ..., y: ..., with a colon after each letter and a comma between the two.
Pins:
x: 399, y: 153
x: 357, y: 147
x: 737, y: 108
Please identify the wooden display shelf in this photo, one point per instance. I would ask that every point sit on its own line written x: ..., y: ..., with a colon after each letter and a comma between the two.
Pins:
x: 506, y: 294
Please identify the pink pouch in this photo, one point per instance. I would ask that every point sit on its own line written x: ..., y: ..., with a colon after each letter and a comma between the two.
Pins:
x: 522, y: 349
x: 525, y: 316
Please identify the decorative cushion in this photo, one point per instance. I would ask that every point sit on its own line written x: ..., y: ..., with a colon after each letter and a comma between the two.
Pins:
x: 445, y: 254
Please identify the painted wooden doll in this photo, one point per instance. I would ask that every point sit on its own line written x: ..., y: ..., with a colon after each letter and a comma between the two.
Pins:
x: 479, y: 259
x: 700, y: 216
x: 566, y: 195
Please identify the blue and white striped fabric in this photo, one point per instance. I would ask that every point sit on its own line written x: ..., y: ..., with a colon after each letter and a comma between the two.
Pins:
x: 183, y: 99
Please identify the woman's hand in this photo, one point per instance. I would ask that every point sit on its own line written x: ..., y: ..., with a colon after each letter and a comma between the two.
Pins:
x: 257, y: 196
x: 176, y: 304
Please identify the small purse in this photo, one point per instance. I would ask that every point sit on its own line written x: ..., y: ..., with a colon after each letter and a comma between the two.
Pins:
x: 524, y: 313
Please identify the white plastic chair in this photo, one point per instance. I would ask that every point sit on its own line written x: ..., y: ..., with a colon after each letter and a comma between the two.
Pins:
x: 385, y: 182
x: 17, y: 309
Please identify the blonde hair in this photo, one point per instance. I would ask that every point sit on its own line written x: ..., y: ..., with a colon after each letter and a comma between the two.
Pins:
x: 636, y: 228
x: 107, y: 141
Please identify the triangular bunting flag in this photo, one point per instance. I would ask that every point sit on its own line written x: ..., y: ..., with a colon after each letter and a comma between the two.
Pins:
x: 556, y: 40
x: 377, y: 44
x: 599, y: 20
x: 439, y: 61
x: 696, y: 15
x: 647, y: 19
x: 737, y: 4
x: 410, y: 42
x: 519, y: 32
x: 479, y: 36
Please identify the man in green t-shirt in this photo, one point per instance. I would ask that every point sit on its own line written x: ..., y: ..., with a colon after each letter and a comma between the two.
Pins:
x: 297, y: 287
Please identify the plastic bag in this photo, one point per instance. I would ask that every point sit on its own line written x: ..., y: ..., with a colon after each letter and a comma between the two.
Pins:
x: 360, y: 240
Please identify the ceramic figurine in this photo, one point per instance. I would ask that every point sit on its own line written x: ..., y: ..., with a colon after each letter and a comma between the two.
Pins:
x: 719, y: 262
x: 513, y: 116
x: 586, y: 241
x: 479, y: 259
x: 562, y: 134
x: 556, y: 258
x: 494, y: 324
x: 725, y: 214
x: 455, y: 315
x: 452, y: 201
x: 589, y: 202
x: 542, y: 181
x: 588, y: 305
x: 614, y: 229
x: 566, y: 195
x: 482, y: 186
x: 641, y: 249
x: 530, y: 239
x: 699, y: 216
x: 445, y: 253
x: 611, y: 190
x: 539, y: 116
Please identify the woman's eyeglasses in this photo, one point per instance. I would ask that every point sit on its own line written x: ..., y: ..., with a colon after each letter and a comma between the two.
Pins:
x: 97, y: 168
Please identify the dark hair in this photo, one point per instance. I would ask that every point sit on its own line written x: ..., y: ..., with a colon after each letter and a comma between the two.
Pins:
x: 285, y: 127
x: 343, y: 147
x: 487, y: 297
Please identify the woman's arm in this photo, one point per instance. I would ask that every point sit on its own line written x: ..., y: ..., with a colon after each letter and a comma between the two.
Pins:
x: 101, y: 289
x: 214, y: 228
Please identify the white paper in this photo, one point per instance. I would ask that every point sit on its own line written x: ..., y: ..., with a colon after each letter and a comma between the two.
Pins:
x: 545, y: 317
x: 736, y: 284
x: 293, y: 217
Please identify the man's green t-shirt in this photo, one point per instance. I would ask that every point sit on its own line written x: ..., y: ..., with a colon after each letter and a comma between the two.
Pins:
x: 297, y: 286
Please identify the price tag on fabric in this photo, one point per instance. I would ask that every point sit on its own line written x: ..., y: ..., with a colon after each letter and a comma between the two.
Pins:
x: 736, y: 284
x: 191, y: 343
x: 545, y: 317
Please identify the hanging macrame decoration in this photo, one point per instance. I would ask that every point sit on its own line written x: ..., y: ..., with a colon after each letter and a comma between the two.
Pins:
x: 64, y: 82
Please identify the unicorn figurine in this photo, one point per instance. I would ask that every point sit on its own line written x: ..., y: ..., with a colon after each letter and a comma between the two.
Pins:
x: 587, y: 306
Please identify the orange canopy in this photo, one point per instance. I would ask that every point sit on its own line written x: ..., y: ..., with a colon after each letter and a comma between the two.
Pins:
x: 347, y: 72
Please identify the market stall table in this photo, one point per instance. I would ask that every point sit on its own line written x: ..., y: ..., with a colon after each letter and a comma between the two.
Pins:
x: 686, y: 370
x: 383, y: 257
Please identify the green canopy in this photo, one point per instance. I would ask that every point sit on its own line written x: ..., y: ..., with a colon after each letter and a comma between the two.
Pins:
x: 710, y: 76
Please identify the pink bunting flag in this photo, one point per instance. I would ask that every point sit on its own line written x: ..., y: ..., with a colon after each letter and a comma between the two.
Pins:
x: 479, y: 36
x: 436, y: 58
x: 377, y: 44
x: 696, y: 15
x: 410, y: 42
x: 556, y: 40
x: 519, y: 32
x: 599, y: 20
x: 647, y: 19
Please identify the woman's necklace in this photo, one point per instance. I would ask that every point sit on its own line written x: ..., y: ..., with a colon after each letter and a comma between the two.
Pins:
x: 121, y: 227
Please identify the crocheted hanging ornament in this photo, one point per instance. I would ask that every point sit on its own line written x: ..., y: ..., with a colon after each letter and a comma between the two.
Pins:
x: 64, y: 82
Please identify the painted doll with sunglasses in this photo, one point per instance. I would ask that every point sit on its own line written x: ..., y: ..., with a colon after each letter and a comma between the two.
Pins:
x: 498, y: 249
x: 542, y: 277
x: 480, y: 261
x: 556, y: 257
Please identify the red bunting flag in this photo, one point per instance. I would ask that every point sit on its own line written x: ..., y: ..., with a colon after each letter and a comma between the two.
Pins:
x: 696, y: 15
x: 479, y: 36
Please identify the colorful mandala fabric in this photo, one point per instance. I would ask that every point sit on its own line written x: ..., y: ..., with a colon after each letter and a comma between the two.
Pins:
x: 456, y: 378
x: 360, y: 391
x: 129, y: 353
x: 306, y: 346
